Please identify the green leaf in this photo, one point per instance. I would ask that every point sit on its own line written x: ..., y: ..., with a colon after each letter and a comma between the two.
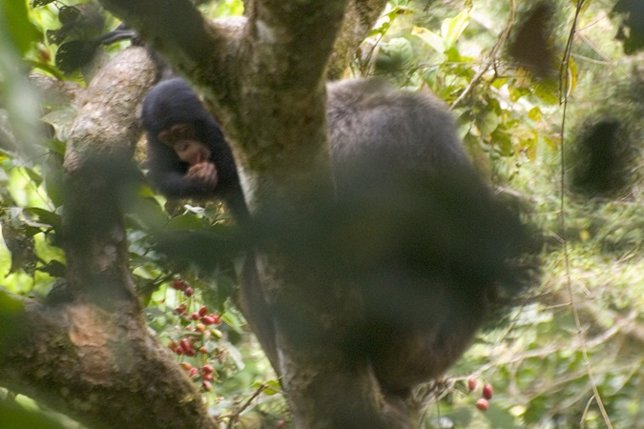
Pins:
x: 394, y: 54
x: 37, y: 217
x: 547, y: 92
x: 488, y: 122
x: 54, y: 268
x: 15, y: 24
x: 452, y: 28
x: 9, y: 304
x: 430, y: 38
x: 185, y: 221
x: 13, y: 416
x: 271, y: 387
x: 34, y: 176
x: 535, y: 114
x: 500, y: 419
x: 232, y: 321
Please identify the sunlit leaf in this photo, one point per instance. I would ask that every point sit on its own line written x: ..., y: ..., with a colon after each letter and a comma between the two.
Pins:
x: 547, y: 92
x: 430, y: 38
x: 535, y: 114
x: 452, y: 28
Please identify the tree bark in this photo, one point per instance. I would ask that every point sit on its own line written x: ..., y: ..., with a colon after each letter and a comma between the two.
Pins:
x: 87, y: 351
x: 99, y: 366
x: 358, y: 21
x: 265, y: 78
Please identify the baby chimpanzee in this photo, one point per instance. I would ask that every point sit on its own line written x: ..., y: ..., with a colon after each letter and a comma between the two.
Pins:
x: 187, y: 154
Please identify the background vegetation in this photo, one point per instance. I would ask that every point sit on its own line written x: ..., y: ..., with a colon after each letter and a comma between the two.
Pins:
x: 571, y: 353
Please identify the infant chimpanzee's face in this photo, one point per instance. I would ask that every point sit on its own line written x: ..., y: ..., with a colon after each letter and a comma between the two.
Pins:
x: 192, y: 152
x: 183, y: 140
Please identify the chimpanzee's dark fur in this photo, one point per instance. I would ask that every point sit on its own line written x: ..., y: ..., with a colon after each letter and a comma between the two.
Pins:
x: 173, y: 102
x: 425, y: 240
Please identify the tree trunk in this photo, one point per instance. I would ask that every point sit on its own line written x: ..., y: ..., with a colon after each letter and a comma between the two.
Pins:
x: 265, y: 77
x: 87, y: 351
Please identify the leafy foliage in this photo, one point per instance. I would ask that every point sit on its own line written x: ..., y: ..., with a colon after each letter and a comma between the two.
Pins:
x: 630, y: 30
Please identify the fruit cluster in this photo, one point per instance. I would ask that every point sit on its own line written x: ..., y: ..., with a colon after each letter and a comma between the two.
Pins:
x: 205, y: 374
x: 483, y: 403
x: 195, y: 339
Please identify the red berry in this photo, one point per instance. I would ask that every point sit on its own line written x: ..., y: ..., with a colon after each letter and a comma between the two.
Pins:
x: 203, y: 310
x: 188, y: 291
x: 207, y: 377
x: 482, y: 404
x: 488, y: 391
x: 194, y: 315
x: 207, y: 386
x: 207, y: 368
x: 208, y: 320
x: 471, y: 383
x: 203, y: 350
x: 200, y: 327
x: 185, y: 345
x: 179, y: 284
x: 181, y: 309
x: 186, y: 365
x: 193, y: 373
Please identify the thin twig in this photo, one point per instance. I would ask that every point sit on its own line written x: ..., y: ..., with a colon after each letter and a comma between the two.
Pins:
x: 500, y: 41
x: 564, y: 88
x: 234, y: 417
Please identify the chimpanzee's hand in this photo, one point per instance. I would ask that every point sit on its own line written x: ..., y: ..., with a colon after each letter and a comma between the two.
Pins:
x: 204, y: 173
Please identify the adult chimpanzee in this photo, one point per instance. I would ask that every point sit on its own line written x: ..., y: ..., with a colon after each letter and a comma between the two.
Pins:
x: 427, y: 243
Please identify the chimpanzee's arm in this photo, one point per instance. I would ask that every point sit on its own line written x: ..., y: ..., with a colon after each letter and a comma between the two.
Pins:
x: 168, y: 174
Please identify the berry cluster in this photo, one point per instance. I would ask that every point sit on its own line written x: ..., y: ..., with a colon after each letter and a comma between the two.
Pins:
x: 183, y: 286
x: 197, y: 332
x: 202, y: 316
x: 205, y: 374
x: 483, y: 403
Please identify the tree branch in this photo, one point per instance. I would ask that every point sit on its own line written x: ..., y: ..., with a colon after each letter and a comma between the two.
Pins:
x: 175, y: 27
x: 100, y: 175
x: 89, y: 353
x: 360, y: 17
x: 208, y: 53
x: 99, y: 367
